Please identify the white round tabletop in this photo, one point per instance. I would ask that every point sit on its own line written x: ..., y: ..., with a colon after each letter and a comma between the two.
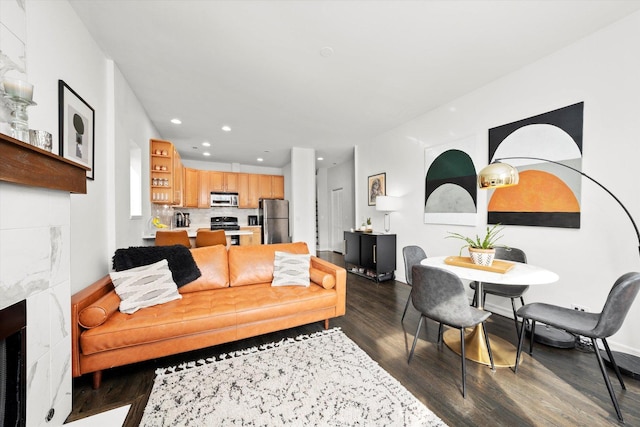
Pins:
x: 520, y: 274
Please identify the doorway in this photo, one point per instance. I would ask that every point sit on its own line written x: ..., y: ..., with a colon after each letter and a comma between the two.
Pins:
x: 336, y: 221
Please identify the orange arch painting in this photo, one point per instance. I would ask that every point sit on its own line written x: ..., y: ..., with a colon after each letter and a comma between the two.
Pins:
x: 537, y: 191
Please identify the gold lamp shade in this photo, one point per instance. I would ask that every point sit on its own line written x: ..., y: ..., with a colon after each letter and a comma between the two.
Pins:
x: 498, y: 175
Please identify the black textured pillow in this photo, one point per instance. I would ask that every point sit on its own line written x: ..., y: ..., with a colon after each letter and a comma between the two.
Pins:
x: 181, y: 263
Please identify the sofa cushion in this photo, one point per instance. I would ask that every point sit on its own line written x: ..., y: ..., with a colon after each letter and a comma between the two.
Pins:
x: 144, y: 286
x: 213, y: 264
x: 322, y: 278
x: 96, y: 314
x: 290, y: 269
x: 249, y: 265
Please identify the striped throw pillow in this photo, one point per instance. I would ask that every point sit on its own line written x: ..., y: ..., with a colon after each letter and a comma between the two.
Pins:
x: 144, y: 286
x: 291, y: 269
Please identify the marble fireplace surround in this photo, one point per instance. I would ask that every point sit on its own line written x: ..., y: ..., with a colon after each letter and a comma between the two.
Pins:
x: 35, y: 188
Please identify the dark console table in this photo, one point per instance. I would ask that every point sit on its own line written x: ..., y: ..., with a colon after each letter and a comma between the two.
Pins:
x: 370, y: 255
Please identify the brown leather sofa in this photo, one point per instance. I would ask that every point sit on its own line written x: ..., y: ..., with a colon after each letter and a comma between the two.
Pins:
x: 232, y: 300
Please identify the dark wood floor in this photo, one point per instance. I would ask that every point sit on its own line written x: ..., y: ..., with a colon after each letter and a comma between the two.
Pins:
x: 555, y: 387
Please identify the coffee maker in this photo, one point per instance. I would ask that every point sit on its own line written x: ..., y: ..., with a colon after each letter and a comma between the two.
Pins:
x: 252, y: 219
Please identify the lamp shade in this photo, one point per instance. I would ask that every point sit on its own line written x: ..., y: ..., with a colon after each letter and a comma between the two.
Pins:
x: 387, y: 203
x: 498, y: 175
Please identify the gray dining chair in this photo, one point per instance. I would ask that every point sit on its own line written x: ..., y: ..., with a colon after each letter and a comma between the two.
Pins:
x: 439, y: 295
x: 505, y: 291
x: 412, y: 256
x: 591, y: 325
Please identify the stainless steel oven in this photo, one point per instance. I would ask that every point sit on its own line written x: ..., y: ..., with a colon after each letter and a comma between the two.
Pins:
x: 226, y: 223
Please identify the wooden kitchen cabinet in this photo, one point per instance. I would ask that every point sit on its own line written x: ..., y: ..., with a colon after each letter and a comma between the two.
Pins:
x: 248, y: 196
x: 224, y: 182
x: 191, y: 188
x: 271, y: 186
x: 251, y: 239
x: 204, y: 194
x: 164, y: 182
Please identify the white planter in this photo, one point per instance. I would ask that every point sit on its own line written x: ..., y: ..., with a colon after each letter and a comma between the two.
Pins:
x: 482, y: 256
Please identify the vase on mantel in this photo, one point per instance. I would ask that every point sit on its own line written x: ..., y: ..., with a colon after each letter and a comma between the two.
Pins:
x: 482, y: 256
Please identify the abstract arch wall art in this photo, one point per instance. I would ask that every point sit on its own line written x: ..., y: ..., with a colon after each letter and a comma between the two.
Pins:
x: 450, y: 184
x: 548, y: 195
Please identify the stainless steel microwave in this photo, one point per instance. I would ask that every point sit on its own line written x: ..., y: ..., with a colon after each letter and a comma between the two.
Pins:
x: 224, y: 199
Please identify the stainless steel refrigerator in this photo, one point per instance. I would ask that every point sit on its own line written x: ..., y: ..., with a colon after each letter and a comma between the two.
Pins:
x: 273, y: 216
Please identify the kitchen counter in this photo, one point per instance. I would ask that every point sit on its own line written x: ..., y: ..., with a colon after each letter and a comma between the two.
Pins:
x: 192, y: 231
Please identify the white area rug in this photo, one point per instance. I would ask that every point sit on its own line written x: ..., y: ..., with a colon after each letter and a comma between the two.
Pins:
x: 323, y: 379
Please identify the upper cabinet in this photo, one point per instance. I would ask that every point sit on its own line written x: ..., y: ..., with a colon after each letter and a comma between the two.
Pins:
x: 191, y: 188
x: 248, y: 196
x: 173, y: 184
x: 165, y: 181
x: 224, y: 182
x: 271, y: 186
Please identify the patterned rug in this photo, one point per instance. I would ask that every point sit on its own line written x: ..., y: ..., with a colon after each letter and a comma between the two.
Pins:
x: 323, y: 379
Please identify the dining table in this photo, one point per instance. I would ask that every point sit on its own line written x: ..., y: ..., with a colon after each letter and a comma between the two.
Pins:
x: 504, y: 273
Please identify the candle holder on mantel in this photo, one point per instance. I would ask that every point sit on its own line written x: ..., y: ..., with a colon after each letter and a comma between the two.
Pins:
x: 19, y: 117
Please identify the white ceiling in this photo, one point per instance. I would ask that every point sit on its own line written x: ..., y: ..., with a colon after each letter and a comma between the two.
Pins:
x: 257, y: 65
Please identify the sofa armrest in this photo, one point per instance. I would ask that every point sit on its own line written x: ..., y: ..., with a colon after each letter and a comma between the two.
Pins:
x: 79, y: 301
x: 340, y: 274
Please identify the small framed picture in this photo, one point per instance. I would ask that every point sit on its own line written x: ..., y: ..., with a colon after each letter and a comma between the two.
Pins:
x: 76, y: 120
x: 377, y: 187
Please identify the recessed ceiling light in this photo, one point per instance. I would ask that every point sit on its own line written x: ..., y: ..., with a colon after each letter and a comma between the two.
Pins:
x: 320, y: 158
x: 260, y: 159
x: 176, y: 121
x: 226, y: 128
x: 326, y: 52
x: 206, y: 153
x: 206, y: 144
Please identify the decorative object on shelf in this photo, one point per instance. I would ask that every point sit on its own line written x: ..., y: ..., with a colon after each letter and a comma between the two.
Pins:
x: 40, y: 139
x: 377, y: 186
x: 387, y: 204
x: 481, y: 250
x: 499, y: 174
x: 77, y: 128
x: 369, y: 227
x: 17, y: 95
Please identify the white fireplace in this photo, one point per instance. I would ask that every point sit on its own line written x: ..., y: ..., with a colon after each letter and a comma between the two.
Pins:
x: 35, y: 266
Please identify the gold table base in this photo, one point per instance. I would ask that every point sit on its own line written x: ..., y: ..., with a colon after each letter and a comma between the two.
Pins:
x: 504, y: 353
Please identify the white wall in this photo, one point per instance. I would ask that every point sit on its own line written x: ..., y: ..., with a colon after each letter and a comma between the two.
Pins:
x: 302, y: 207
x: 602, y: 70
x: 131, y: 127
x: 60, y: 47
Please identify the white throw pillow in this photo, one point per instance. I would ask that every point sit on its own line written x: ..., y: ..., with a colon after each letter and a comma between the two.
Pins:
x: 291, y: 269
x: 144, y: 286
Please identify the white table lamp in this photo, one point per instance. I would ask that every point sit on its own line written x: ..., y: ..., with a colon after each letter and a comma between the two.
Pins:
x: 387, y: 204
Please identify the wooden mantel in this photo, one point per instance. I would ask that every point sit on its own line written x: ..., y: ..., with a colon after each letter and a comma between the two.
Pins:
x: 25, y: 164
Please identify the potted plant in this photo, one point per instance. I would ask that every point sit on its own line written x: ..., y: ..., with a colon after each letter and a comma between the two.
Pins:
x: 481, y: 250
x: 369, y: 225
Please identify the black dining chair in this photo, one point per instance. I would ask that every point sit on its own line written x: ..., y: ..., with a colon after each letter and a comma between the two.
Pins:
x: 591, y: 325
x: 412, y: 256
x: 506, y: 291
x: 439, y: 295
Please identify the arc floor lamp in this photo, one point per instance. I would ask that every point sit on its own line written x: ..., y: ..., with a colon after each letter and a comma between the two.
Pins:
x: 499, y: 174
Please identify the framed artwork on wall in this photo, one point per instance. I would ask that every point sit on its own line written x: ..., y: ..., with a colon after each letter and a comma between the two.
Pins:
x: 76, y: 122
x: 451, y: 191
x: 377, y: 186
x: 547, y: 195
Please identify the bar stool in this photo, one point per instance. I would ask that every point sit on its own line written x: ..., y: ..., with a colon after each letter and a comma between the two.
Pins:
x: 206, y: 237
x: 172, y: 237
